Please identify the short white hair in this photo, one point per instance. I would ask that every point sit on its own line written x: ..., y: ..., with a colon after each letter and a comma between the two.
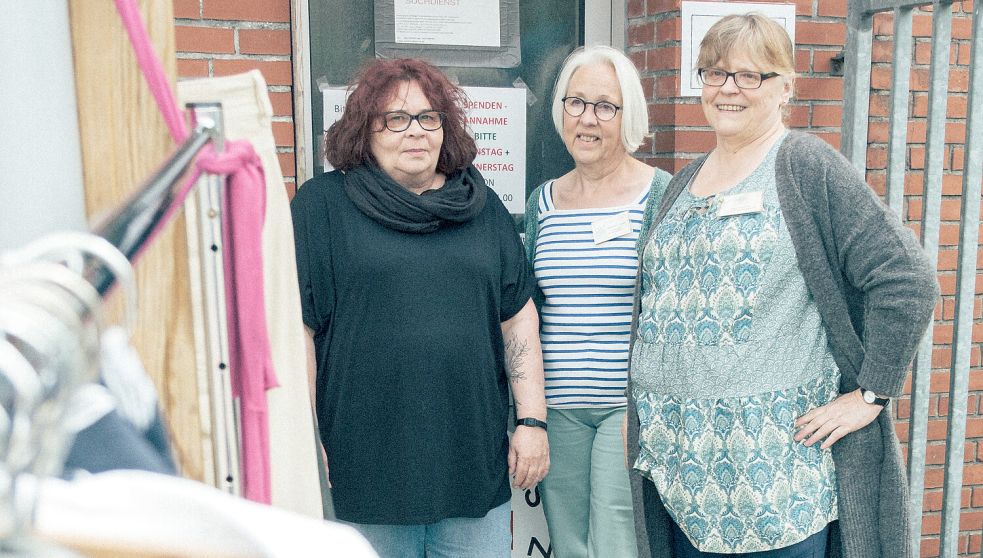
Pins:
x: 634, y: 117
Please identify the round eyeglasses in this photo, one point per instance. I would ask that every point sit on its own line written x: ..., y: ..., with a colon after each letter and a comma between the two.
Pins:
x: 603, y: 110
x: 399, y: 121
x: 715, y: 77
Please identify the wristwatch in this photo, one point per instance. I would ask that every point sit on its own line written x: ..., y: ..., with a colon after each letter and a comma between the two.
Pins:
x: 872, y: 398
x: 535, y: 423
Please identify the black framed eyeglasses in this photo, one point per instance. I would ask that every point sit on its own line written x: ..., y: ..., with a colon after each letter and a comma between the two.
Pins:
x: 398, y: 121
x: 603, y: 110
x: 715, y: 77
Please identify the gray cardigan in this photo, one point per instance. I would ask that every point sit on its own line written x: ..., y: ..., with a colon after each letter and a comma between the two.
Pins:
x: 876, y: 291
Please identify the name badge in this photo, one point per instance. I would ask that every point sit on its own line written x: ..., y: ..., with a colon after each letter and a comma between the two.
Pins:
x: 740, y: 204
x: 611, y: 227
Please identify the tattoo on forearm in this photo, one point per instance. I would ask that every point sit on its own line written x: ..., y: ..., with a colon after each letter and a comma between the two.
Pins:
x: 515, y: 353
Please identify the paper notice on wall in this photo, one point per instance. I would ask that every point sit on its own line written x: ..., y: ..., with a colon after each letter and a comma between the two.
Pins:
x: 448, y: 22
x: 334, y: 106
x: 497, y: 119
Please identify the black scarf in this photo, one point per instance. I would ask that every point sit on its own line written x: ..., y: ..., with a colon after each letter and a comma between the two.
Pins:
x: 380, y: 198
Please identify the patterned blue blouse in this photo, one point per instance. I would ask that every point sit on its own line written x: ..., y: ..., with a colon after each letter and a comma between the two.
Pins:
x: 730, y: 351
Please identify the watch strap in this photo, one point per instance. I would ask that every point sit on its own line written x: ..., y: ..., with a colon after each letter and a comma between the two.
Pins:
x: 873, y: 398
x: 529, y: 421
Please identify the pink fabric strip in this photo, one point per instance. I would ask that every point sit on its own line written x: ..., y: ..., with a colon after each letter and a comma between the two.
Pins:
x: 251, y: 365
x: 250, y: 360
x: 153, y: 70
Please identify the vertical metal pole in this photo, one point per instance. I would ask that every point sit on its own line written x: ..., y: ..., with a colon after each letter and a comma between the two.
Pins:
x: 856, y: 85
x: 216, y: 391
x: 966, y: 290
x: 922, y: 374
x: 931, y: 206
x: 901, y: 75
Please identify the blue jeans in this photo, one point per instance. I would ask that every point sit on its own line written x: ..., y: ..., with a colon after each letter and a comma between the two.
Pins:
x: 454, y: 537
x: 813, y: 547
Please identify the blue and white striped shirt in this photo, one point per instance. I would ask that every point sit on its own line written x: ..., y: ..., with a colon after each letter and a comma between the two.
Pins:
x: 586, y: 318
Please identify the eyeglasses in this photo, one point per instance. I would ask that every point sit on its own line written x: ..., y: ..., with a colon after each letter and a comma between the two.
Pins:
x: 603, y: 110
x: 715, y: 77
x: 398, y: 121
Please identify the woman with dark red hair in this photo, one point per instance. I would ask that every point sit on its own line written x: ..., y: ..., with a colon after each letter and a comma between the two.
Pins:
x: 416, y: 297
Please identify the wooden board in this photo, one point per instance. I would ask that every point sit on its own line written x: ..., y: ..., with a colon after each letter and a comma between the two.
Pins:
x: 124, y: 139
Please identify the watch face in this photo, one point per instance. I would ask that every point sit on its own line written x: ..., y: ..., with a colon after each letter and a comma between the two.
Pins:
x: 869, y: 396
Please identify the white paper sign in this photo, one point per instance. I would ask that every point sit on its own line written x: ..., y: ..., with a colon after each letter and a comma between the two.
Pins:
x: 497, y: 118
x: 698, y: 17
x: 448, y: 22
x: 334, y: 105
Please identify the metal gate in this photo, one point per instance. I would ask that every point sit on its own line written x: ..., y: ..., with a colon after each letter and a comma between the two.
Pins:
x: 854, y: 146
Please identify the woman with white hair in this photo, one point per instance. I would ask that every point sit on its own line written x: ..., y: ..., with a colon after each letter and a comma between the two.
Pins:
x: 581, y: 230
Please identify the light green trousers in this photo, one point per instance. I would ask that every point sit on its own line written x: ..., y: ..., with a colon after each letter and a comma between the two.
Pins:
x: 586, y: 496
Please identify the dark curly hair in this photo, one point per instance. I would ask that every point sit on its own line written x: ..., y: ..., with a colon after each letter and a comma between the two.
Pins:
x: 346, y: 142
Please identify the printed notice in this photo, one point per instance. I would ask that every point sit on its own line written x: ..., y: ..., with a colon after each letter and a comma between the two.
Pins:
x: 448, y: 22
x: 334, y: 106
x: 497, y: 118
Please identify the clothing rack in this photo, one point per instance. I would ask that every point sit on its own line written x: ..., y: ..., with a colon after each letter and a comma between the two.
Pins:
x: 51, y: 318
x: 131, y: 226
x: 51, y: 300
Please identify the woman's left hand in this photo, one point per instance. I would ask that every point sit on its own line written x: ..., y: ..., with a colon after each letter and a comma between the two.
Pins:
x: 529, y: 456
x: 834, y: 420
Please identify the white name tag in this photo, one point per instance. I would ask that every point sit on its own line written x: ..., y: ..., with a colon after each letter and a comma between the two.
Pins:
x: 614, y: 226
x: 739, y: 204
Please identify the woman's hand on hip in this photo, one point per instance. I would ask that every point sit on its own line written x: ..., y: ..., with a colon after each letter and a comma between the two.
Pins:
x: 834, y: 420
x: 529, y: 456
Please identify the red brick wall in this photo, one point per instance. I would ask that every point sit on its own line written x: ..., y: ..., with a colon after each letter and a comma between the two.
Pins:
x: 680, y: 134
x: 222, y: 37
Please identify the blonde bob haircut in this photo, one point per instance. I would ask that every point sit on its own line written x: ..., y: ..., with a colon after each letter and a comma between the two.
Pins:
x: 758, y: 36
x: 634, y: 117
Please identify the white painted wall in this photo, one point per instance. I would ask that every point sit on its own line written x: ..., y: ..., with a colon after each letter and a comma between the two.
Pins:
x: 40, y: 158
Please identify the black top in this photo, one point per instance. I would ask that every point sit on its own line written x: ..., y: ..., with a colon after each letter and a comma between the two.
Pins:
x: 412, y: 395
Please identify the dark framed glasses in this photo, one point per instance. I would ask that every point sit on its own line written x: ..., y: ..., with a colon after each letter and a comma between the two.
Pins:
x: 715, y: 77
x: 398, y: 121
x: 603, y: 110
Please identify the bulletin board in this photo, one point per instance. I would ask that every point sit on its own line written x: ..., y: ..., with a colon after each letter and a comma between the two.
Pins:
x: 472, y: 33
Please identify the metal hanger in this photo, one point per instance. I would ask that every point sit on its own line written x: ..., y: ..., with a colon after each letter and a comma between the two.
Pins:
x: 65, y: 247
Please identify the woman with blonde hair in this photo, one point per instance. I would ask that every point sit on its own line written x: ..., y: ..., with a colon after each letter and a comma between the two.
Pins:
x: 779, y: 307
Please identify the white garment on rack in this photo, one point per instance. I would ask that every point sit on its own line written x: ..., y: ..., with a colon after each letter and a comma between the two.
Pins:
x: 247, y: 114
x: 87, y: 406
x: 136, y: 513
x: 125, y: 378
